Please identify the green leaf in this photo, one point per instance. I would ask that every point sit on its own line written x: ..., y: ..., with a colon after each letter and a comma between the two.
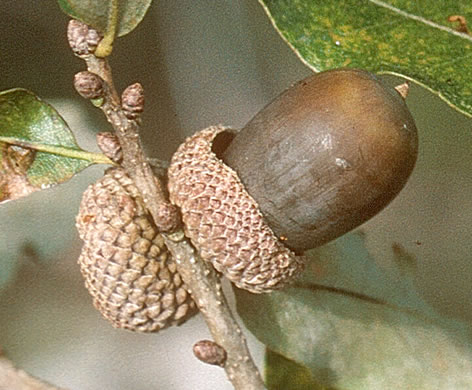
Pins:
x: 96, y: 13
x: 37, y: 149
x: 357, y: 327
x: 283, y: 373
x: 413, y: 39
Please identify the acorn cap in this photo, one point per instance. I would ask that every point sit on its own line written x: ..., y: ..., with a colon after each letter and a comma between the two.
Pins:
x: 127, y: 268
x: 223, y: 221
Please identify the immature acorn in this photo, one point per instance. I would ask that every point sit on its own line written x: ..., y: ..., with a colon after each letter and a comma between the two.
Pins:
x: 127, y: 269
x: 322, y: 158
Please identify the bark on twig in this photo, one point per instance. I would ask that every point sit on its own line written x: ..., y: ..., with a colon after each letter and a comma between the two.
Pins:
x: 208, y: 294
x: 202, y: 280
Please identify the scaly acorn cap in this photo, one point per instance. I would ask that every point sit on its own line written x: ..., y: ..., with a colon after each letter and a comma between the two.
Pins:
x: 223, y: 221
x: 127, y: 269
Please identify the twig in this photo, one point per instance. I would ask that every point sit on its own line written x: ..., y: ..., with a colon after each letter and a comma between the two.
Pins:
x: 12, y: 378
x: 202, y: 280
x: 208, y: 294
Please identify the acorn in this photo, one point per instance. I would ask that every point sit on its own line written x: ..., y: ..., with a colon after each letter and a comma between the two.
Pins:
x: 127, y: 268
x: 321, y: 159
x: 326, y: 155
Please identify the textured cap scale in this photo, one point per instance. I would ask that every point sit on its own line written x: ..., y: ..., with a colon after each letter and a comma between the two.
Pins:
x: 127, y: 269
x: 223, y: 221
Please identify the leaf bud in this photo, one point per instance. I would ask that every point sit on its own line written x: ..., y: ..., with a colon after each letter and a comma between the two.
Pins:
x: 209, y: 352
x: 88, y: 85
x: 83, y: 40
x: 132, y: 101
x: 110, y: 145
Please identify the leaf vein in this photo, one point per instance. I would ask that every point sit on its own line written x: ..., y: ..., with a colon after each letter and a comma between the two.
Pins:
x: 421, y: 19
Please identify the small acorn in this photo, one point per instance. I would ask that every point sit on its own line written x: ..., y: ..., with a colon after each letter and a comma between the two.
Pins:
x: 128, y: 271
x: 322, y: 158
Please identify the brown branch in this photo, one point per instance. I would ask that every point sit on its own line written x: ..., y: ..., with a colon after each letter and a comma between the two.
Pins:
x: 12, y: 378
x: 202, y: 280
x: 208, y: 294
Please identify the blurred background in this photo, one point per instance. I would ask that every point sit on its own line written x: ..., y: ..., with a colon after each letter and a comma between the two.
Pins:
x: 201, y: 63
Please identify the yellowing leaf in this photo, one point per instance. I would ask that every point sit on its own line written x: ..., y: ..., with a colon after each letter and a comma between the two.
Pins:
x: 401, y: 37
x: 283, y: 373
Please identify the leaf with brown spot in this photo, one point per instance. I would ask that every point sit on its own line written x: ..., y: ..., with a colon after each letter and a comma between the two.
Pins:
x: 413, y: 39
x: 37, y: 148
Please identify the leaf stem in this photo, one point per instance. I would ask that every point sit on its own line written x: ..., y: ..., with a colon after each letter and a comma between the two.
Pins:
x: 105, y: 46
x: 95, y: 158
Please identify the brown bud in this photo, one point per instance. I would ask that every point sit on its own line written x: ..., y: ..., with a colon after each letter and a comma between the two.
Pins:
x: 132, y: 100
x: 128, y: 271
x: 110, y: 146
x: 83, y: 39
x: 223, y: 221
x: 209, y: 352
x: 89, y: 85
x: 168, y: 216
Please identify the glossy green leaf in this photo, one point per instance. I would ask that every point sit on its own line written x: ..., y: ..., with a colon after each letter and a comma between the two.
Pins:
x: 283, y: 373
x: 96, y: 13
x: 37, y: 149
x: 356, y: 326
x: 413, y: 39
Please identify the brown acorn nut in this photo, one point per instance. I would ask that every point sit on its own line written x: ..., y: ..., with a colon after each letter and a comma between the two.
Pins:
x: 326, y: 155
x: 127, y: 269
x: 223, y: 221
